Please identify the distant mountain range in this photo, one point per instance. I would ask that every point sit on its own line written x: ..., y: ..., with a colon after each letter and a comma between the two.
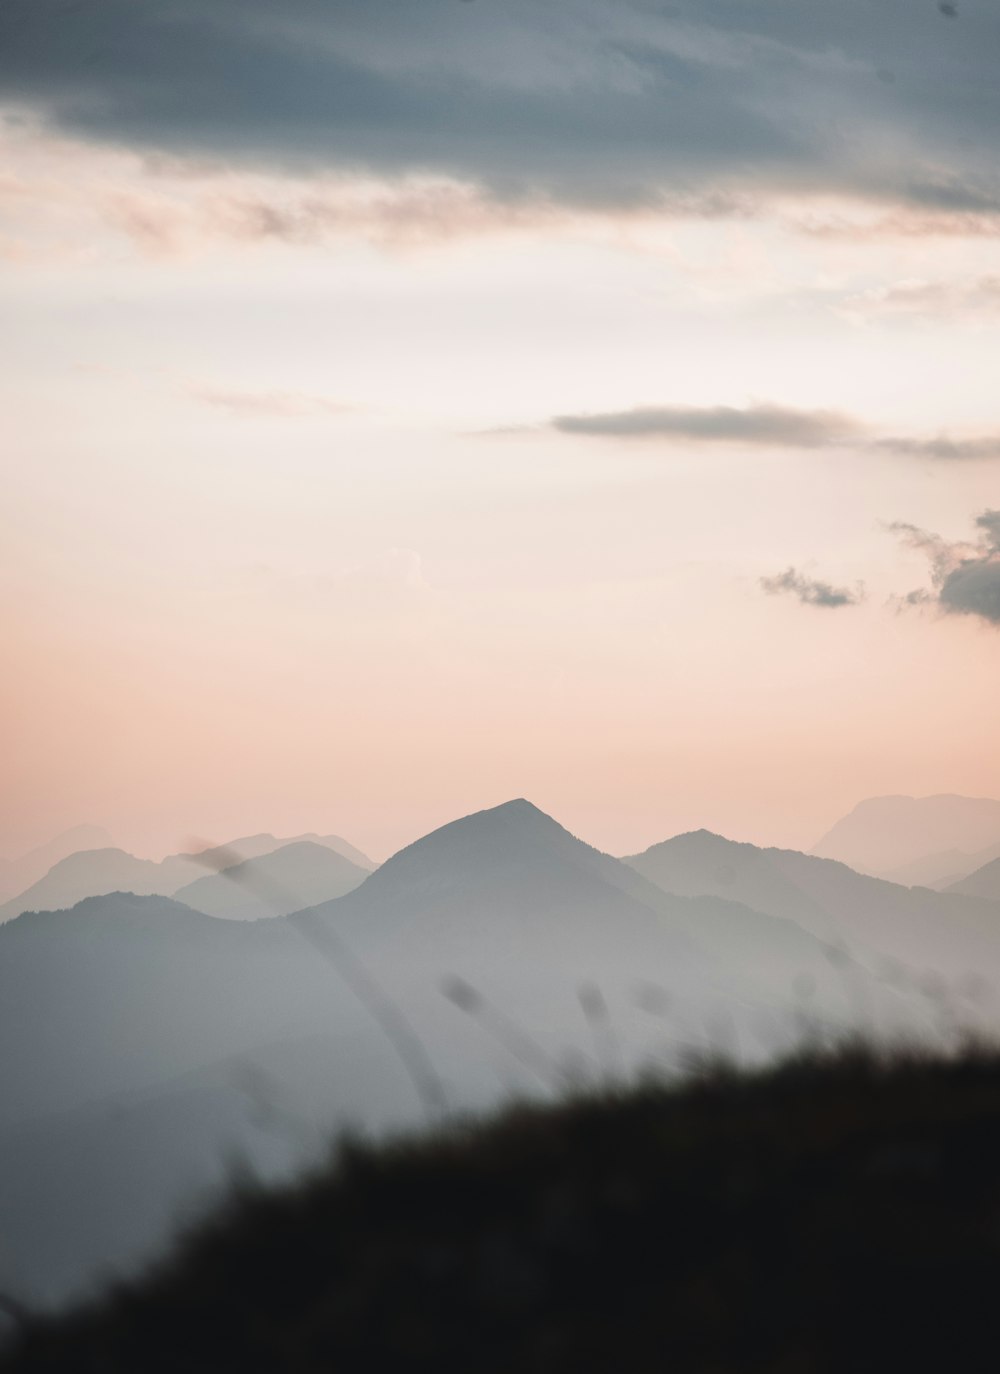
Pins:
x: 92, y: 872
x: 18, y: 874
x: 983, y: 883
x: 287, y: 879
x: 911, y: 929
x: 144, y: 1043
x: 926, y: 840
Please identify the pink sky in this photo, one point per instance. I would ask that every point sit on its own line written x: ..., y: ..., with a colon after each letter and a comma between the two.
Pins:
x: 288, y: 543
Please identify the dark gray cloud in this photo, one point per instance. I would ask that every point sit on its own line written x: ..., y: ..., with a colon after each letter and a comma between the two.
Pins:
x: 771, y: 426
x: 760, y: 424
x: 943, y: 449
x: 810, y: 591
x: 615, y: 102
x: 965, y: 576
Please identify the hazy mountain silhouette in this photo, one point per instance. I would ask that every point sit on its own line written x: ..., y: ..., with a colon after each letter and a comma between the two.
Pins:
x: 143, y: 1043
x: 122, y: 991
x: 275, y: 884
x: 256, y: 846
x: 984, y: 882
x: 94, y: 872
x: 511, y: 901
x: 18, y: 874
x: 883, y: 834
x: 918, y: 928
x: 943, y: 870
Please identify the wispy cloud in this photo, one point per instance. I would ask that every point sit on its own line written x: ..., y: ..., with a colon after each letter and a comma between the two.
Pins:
x: 763, y: 424
x: 811, y: 591
x: 965, y: 576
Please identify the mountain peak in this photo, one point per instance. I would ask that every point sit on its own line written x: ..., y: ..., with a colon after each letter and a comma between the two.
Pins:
x: 696, y: 842
x: 512, y: 839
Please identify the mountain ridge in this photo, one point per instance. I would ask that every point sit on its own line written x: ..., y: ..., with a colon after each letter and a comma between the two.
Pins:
x: 883, y: 834
x: 95, y: 872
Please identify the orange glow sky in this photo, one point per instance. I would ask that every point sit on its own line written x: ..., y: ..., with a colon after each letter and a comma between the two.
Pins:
x: 289, y: 542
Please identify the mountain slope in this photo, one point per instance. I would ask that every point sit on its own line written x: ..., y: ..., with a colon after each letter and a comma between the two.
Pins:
x: 983, y: 883
x: 918, y: 928
x: 510, y: 901
x: 275, y: 884
x: 18, y: 874
x: 122, y: 991
x: 882, y: 834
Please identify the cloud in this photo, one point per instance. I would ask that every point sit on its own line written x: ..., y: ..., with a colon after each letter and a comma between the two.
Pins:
x: 64, y: 198
x: 810, y: 591
x: 771, y: 426
x: 591, y: 102
x: 758, y: 424
x: 965, y: 576
x: 945, y: 449
x: 858, y: 223
x: 277, y: 404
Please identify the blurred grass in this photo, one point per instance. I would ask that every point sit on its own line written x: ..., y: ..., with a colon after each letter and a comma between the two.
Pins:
x: 839, y: 1212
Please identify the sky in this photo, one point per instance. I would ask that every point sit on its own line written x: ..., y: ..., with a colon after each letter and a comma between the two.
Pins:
x: 414, y: 404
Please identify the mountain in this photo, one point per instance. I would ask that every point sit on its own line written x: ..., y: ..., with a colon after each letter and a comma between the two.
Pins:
x: 143, y: 1044
x: 984, y: 883
x: 94, y: 872
x: 944, y: 870
x: 144, y: 1047
x: 338, y: 845
x: 510, y: 902
x: 123, y: 991
x: 256, y: 846
x: 915, y: 927
x: 18, y: 874
x: 285, y: 880
x: 504, y: 895
x: 883, y: 834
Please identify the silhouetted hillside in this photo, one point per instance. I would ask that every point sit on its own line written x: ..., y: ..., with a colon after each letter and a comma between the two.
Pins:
x: 832, y: 1214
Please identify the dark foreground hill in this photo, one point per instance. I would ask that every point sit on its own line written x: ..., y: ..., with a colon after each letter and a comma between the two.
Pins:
x: 836, y: 1213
